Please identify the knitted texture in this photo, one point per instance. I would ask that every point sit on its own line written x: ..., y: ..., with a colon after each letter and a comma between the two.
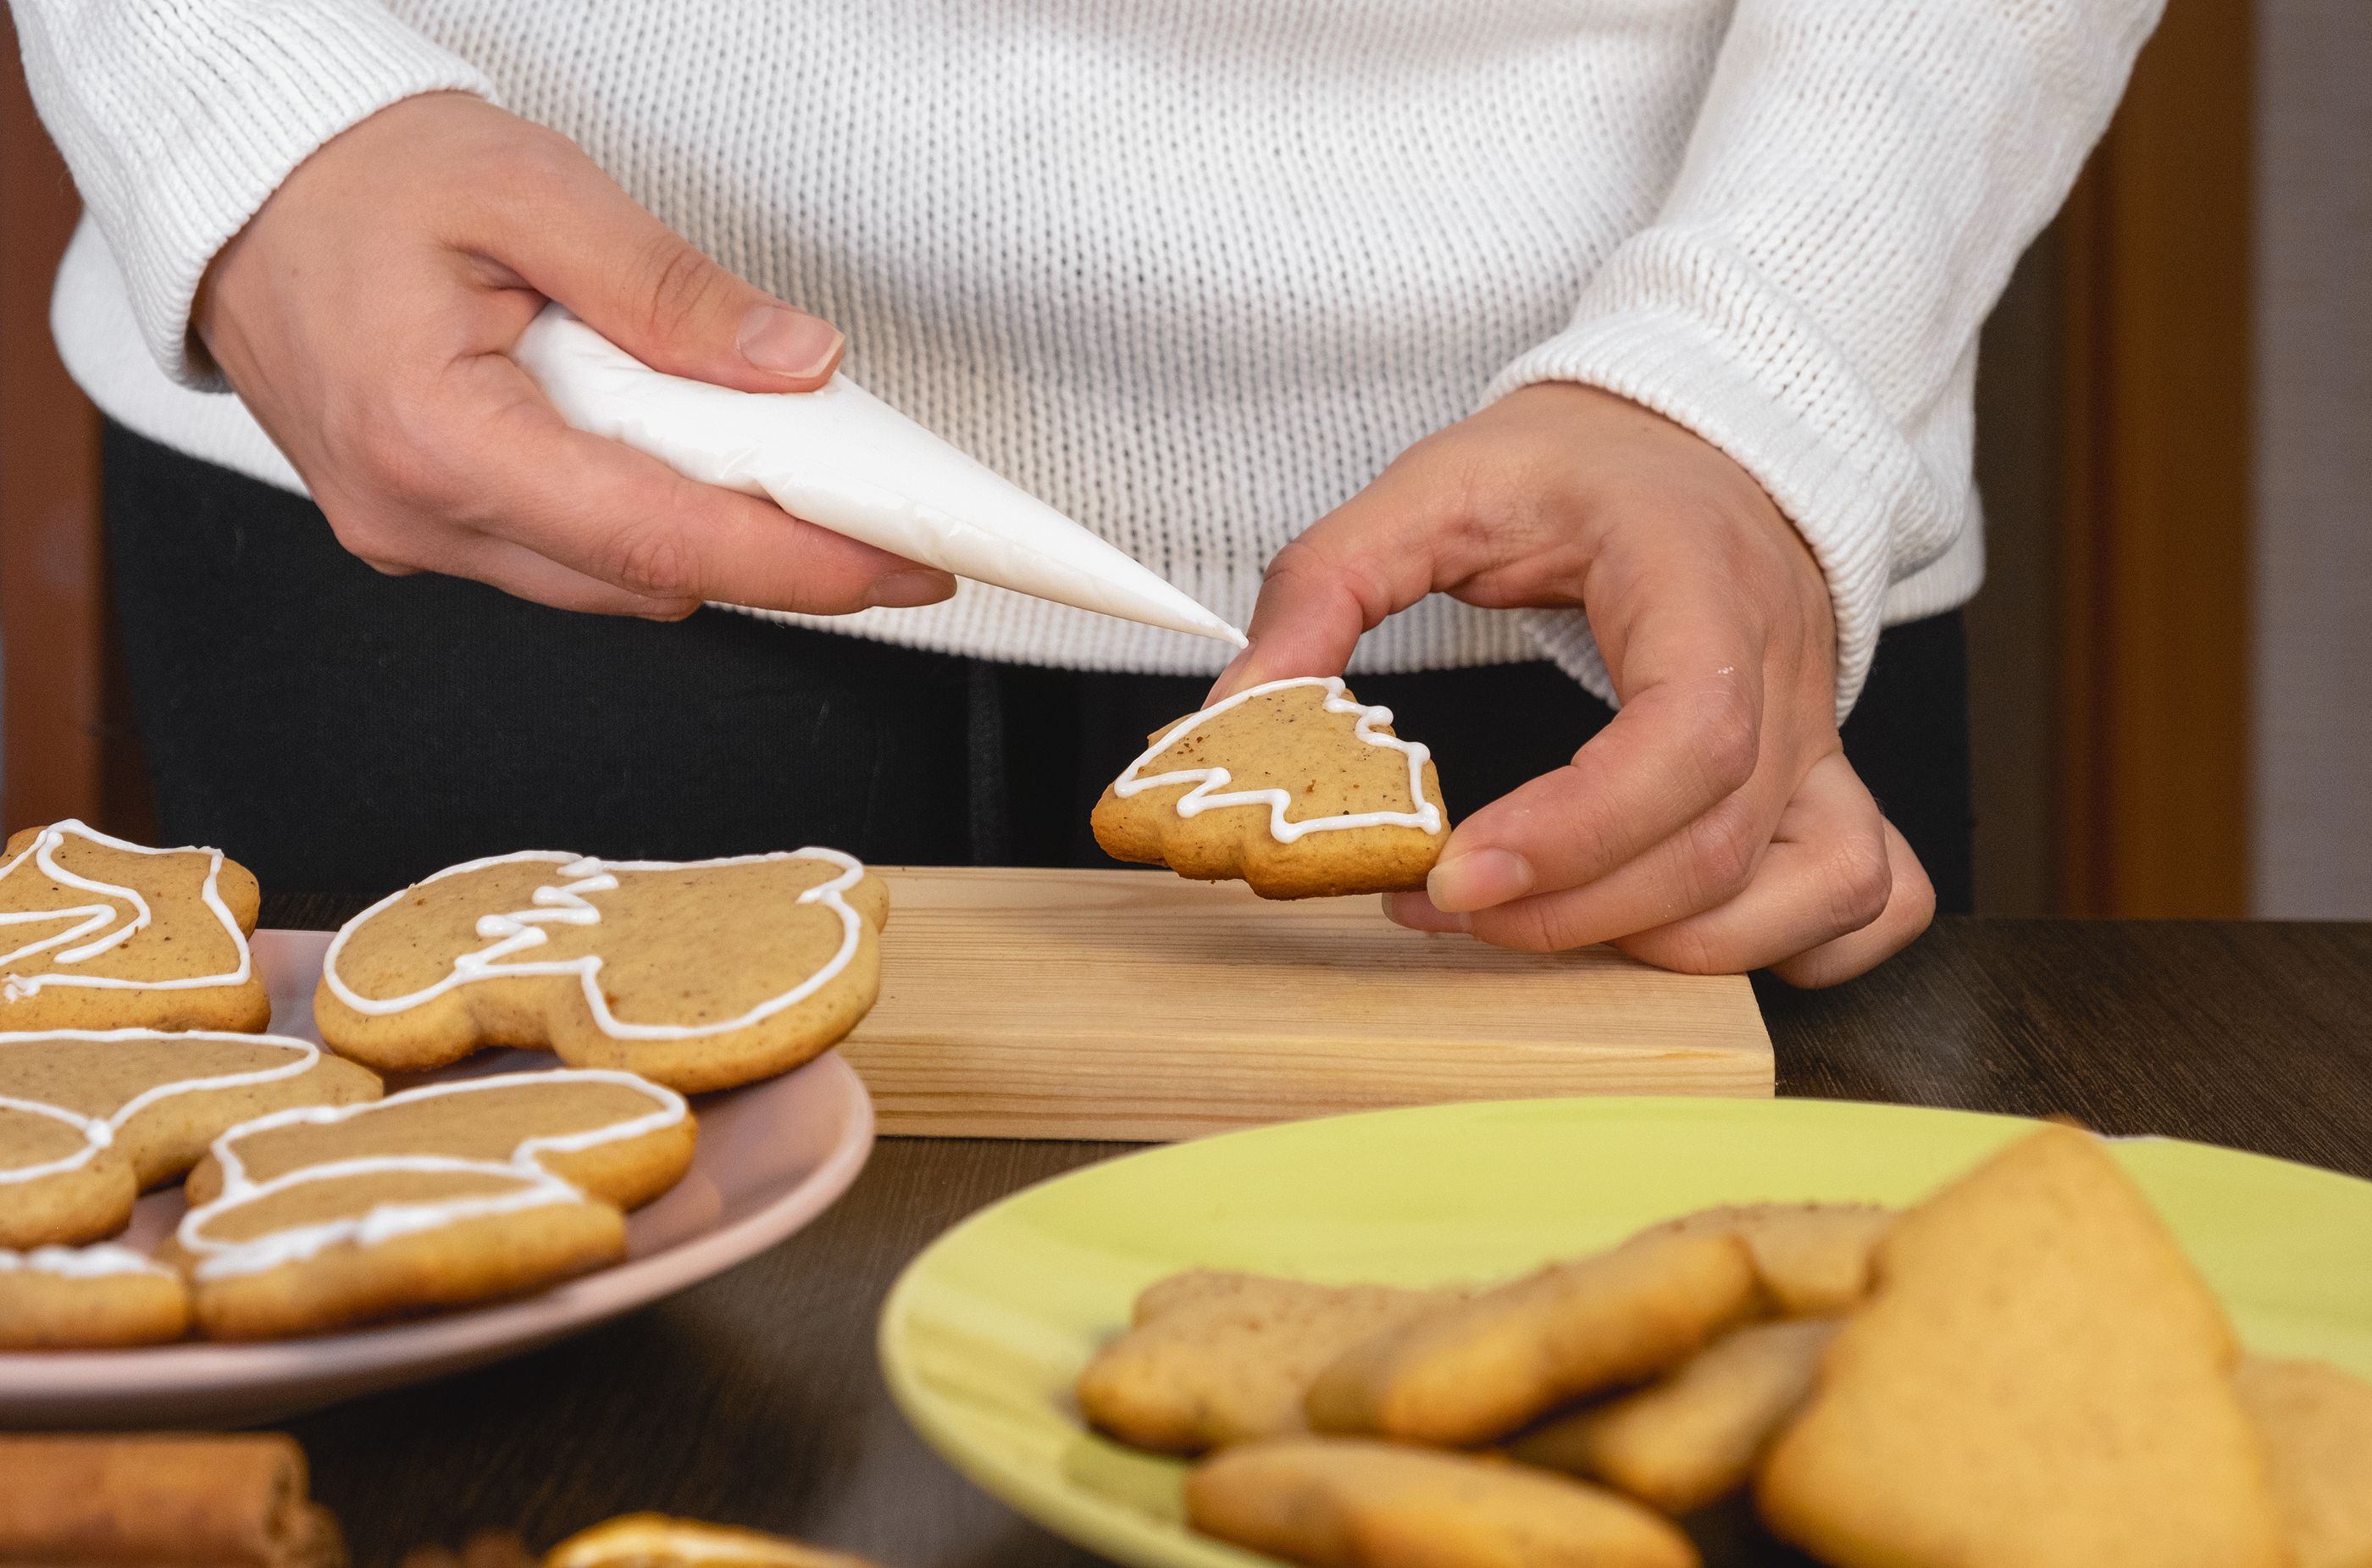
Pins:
x: 1195, y: 272
x: 180, y: 117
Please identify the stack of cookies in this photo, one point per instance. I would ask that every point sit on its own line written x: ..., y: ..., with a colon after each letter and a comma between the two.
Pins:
x: 2023, y: 1369
x: 316, y: 1201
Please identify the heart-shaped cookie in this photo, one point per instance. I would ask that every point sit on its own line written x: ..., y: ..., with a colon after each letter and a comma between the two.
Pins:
x: 1294, y: 787
x: 89, y: 1119
x: 696, y: 974
x: 308, y: 1219
x: 97, y: 933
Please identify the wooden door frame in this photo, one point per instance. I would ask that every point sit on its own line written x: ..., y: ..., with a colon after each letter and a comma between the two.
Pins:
x: 52, y: 589
x: 2155, y: 722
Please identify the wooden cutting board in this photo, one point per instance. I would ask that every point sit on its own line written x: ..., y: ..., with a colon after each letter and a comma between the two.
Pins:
x: 1131, y: 1004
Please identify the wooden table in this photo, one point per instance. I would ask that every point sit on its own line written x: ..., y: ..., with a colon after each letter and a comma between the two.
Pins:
x: 755, y: 1399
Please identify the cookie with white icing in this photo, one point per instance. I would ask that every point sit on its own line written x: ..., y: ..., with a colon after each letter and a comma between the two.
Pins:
x: 697, y: 974
x: 88, y: 1298
x: 89, y: 1119
x: 310, y: 1219
x: 1294, y: 787
x: 99, y: 933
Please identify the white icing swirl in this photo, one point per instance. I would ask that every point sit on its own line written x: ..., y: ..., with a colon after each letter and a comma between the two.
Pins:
x: 104, y: 924
x: 1210, y: 792
x: 569, y: 904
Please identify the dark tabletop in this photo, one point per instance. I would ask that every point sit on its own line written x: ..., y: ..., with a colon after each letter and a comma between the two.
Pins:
x: 755, y: 1399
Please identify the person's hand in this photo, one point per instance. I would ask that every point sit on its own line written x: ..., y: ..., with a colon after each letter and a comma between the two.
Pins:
x: 1715, y: 826
x: 366, y: 313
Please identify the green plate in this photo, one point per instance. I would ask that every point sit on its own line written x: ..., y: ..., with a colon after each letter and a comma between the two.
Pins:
x: 986, y: 1330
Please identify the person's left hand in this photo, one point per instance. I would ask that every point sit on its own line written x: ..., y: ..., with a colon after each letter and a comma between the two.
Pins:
x: 1715, y: 826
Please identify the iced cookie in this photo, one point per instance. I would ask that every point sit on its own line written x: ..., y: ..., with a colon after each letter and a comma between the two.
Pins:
x: 1292, y: 787
x: 1218, y: 1357
x: 2038, y: 1377
x: 88, y: 1298
x: 699, y: 975
x: 97, y: 933
x: 90, y: 1118
x: 620, y: 1138
x: 439, y: 1196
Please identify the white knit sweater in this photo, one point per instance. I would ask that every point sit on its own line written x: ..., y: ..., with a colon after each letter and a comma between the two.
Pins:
x: 1194, y: 272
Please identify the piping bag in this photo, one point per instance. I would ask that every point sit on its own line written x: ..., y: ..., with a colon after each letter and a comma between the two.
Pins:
x: 841, y: 458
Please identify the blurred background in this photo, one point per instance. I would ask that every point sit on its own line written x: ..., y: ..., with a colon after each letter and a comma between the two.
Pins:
x: 2172, y: 655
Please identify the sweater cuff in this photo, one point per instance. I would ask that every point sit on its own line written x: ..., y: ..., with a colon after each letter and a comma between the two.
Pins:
x: 187, y: 127
x: 1673, y: 323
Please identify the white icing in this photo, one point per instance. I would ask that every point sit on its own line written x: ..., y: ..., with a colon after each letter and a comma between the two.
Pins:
x: 98, y: 1133
x: 380, y: 1222
x: 105, y: 924
x: 81, y: 1262
x: 841, y: 458
x: 568, y: 904
x: 384, y: 1222
x: 1210, y: 791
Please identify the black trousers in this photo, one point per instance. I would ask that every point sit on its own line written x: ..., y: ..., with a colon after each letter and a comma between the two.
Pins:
x: 338, y: 730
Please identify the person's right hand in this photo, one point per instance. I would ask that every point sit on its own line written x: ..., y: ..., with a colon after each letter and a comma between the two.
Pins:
x: 365, y: 316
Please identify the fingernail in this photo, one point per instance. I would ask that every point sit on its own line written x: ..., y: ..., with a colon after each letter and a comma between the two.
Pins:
x: 904, y: 590
x: 1478, y: 879
x: 788, y: 342
x: 1417, y: 913
x: 1219, y: 687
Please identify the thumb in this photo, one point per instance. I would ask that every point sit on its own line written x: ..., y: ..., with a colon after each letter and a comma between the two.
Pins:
x: 1367, y: 558
x: 654, y: 294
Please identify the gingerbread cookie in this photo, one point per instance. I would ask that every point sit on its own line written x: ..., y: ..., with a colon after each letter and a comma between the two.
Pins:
x: 1218, y: 1357
x: 1292, y: 786
x: 699, y: 975
x: 451, y: 1194
x: 88, y: 1298
x: 621, y: 1139
x: 2316, y: 1424
x: 1475, y: 1371
x: 96, y: 932
x: 655, y: 1540
x: 90, y: 1118
x: 1352, y: 1502
x: 1693, y: 1437
x: 1813, y: 1259
x: 2038, y: 1377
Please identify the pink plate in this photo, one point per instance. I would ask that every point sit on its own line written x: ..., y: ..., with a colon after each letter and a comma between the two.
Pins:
x: 772, y: 1156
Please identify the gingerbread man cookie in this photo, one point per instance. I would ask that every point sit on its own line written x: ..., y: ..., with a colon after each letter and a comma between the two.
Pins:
x: 698, y: 974
x: 1292, y: 786
x: 309, y: 1220
x: 96, y: 932
x: 90, y: 1118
